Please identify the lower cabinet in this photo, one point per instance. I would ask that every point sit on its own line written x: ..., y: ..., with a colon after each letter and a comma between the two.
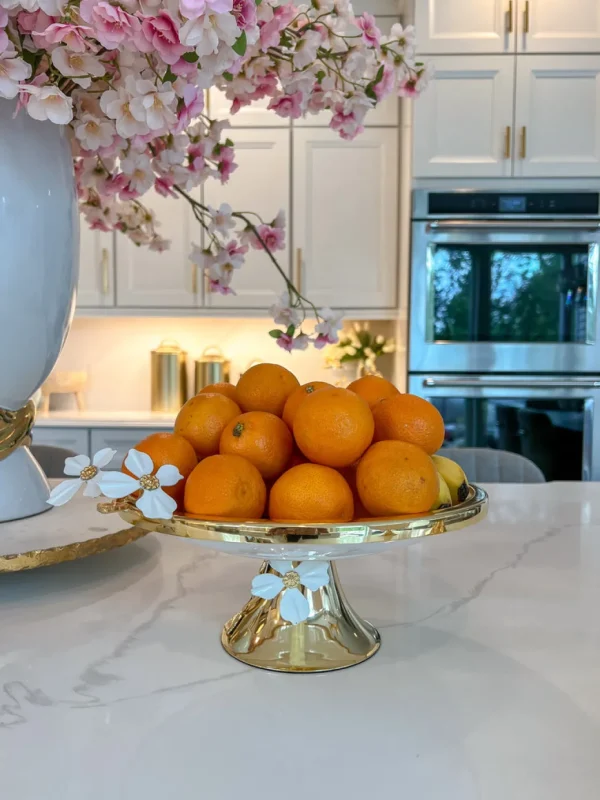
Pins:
x: 75, y: 439
x: 87, y: 441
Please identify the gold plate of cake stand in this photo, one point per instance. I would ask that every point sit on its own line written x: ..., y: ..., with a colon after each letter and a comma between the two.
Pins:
x: 333, y: 636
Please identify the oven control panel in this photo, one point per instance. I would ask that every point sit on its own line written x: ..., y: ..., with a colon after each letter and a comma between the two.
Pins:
x: 530, y: 203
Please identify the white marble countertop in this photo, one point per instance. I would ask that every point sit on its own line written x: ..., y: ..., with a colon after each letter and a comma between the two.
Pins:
x: 104, y: 419
x: 113, y: 683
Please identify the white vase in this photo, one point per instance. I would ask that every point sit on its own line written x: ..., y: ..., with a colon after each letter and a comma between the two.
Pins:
x: 39, y: 240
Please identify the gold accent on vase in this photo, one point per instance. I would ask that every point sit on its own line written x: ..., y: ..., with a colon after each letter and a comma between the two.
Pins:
x: 15, y: 428
x: 32, y: 559
x: 333, y: 637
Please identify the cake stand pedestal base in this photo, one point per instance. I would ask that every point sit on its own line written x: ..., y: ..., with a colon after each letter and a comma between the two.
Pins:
x: 333, y: 637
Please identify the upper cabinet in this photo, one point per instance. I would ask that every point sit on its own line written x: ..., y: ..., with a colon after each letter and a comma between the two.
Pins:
x: 96, y: 287
x: 463, y: 121
x: 345, y: 218
x: 558, y: 26
x: 251, y: 116
x: 148, y: 279
x: 465, y: 26
x: 261, y: 183
x: 557, y: 120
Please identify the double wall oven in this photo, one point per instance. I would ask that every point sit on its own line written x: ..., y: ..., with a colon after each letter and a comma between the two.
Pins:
x: 504, y: 329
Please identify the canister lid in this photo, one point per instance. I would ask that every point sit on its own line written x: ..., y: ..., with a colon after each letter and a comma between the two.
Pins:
x: 169, y: 347
x: 214, y: 357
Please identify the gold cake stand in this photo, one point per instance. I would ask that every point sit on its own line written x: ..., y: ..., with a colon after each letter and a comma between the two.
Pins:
x: 333, y: 636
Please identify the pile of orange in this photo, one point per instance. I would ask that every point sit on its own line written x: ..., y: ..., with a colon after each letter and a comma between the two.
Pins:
x: 269, y: 447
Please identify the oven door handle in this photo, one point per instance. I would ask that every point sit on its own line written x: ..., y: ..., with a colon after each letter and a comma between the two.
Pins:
x: 465, y: 383
x: 511, y: 225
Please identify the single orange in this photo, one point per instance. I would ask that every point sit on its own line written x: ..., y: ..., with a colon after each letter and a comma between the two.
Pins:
x: 311, y: 493
x: 333, y: 427
x: 396, y: 478
x: 293, y: 402
x: 169, y: 448
x: 202, y: 419
x: 264, y: 439
x: 409, y: 418
x: 226, y: 486
x: 265, y: 387
x: 228, y: 389
x: 372, y: 388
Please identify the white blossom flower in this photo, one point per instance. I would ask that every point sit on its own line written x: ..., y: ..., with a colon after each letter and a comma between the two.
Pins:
x: 12, y: 71
x: 155, y: 104
x: 94, y: 133
x: 139, y: 169
x: 48, y: 102
x: 293, y: 606
x: 117, y: 105
x: 283, y: 313
x: 77, y: 66
x: 306, y: 49
x: 221, y: 221
x: 208, y: 31
x: 153, y: 503
x: 88, y: 475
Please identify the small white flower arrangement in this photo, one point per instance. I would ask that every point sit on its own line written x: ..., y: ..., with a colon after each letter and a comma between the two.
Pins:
x: 293, y: 606
x: 153, y: 502
x: 362, y: 346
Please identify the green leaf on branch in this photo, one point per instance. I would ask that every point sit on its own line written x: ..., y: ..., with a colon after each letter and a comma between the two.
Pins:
x: 258, y: 2
x: 191, y: 58
x: 229, y: 143
x: 228, y: 76
x: 291, y: 330
x: 320, y: 75
x: 379, y: 75
x: 370, y: 92
x: 240, y: 44
x: 169, y: 76
x: 276, y: 334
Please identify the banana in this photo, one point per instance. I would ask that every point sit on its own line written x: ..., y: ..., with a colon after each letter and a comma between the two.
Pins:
x: 454, y: 476
x: 444, y: 498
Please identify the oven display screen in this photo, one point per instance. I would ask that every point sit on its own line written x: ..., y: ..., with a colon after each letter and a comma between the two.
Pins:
x: 508, y: 204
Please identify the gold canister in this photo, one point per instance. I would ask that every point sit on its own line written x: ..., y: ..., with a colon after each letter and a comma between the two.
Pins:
x: 168, y: 377
x: 211, y: 367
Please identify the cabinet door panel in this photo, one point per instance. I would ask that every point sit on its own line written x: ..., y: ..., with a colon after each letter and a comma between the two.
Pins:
x: 96, y: 287
x: 464, y: 26
x: 119, y: 439
x: 261, y: 183
x: 558, y: 116
x: 345, y: 217
x: 255, y: 115
x: 147, y: 279
x: 74, y: 439
x: 462, y: 123
x: 556, y: 26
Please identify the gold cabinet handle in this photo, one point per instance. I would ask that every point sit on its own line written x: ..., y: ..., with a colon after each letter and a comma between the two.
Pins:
x: 524, y: 142
x: 104, y: 269
x: 509, y: 17
x: 298, y: 270
x: 507, y: 138
x: 194, y: 277
x: 526, y: 17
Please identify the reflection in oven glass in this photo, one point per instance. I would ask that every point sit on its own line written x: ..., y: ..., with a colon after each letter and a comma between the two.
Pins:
x: 516, y: 293
x: 548, y: 432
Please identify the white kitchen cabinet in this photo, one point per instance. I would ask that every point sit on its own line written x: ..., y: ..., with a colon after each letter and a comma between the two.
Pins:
x: 255, y: 115
x: 558, y: 26
x: 261, y: 184
x: 96, y: 288
x: 75, y: 439
x: 148, y: 279
x: 465, y: 26
x: 119, y: 439
x: 463, y: 121
x: 558, y: 116
x: 346, y: 217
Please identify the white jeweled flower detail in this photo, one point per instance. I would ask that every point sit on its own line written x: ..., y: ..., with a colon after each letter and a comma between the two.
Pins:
x: 88, y: 474
x: 153, y: 502
x: 293, y: 605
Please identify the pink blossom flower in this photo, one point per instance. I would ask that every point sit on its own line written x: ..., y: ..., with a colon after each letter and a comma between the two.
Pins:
x: 270, y: 32
x: 162, y: 33
x: 244, y: 12
x: 409, y: 88
x: 112, y: 26
x: 3, y: 17
x: 288, y: 105
x: 346, y: 124
x: 225, y: 163
x: 290, y: 343
x: 30, y: 21
x: 4, y: 41
x: 272, y: 236
x: 327, y: 329
x: 192, y: 9
x: 74, y: 36
x: 217, y: 286
x: 371, y: 35
x: 164, y: 186
x: 386, y: 85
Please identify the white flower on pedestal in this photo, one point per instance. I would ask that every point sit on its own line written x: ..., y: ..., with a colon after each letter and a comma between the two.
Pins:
x: 153, y: 502
x: 293, y: 606
x: 88, y: 474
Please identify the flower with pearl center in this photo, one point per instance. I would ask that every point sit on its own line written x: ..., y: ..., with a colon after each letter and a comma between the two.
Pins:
x: 153, y: 502
x: 88, y: 475
x: 293, y: 605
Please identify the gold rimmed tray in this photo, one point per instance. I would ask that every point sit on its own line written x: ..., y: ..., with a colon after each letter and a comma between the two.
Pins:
x: 332, y: 636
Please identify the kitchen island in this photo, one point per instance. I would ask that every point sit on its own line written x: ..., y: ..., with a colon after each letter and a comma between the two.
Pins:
x: 113, y: 683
